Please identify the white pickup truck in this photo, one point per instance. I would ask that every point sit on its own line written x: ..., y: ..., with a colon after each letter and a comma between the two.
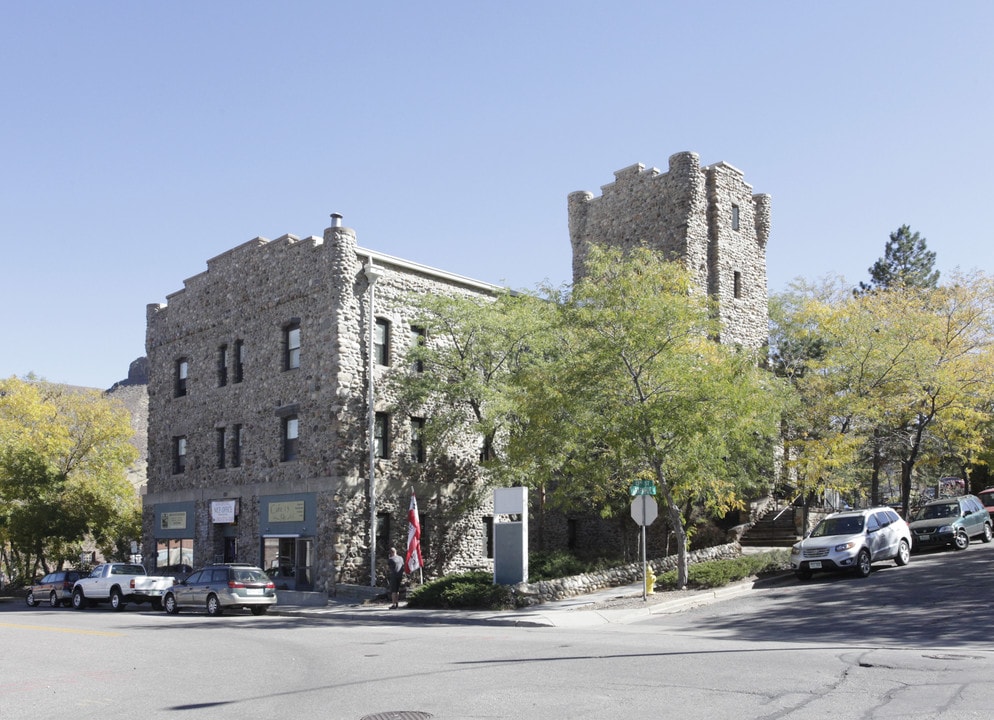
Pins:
x: 119, y: 584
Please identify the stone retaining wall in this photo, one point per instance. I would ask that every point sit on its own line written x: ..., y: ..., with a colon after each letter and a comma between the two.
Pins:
x: 562, y: 588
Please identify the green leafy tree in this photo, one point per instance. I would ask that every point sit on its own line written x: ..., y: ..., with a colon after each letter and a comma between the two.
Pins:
x: 905, y: 377
x: 457, y: 380
x: 634, y: 388
x: 907, y: 262
x: 64, y: 453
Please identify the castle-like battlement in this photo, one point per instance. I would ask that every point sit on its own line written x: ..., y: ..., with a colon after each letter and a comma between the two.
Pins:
x: 706, y: 217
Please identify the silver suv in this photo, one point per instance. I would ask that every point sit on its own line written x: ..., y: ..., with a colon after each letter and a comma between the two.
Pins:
x: 217, y: 588
x: 852, y: 540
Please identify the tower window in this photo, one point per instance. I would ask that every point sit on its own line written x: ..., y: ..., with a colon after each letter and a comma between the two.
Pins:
x: 738, y: 284
x: 239, y: 361
x: 291, y: 345
x: 182, y: 373
x: 735, y: 217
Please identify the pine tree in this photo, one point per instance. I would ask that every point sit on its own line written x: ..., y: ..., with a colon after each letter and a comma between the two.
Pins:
x: 907, y: 262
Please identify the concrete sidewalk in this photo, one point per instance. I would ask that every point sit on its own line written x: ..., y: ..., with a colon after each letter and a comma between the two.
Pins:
x: 574, y: 612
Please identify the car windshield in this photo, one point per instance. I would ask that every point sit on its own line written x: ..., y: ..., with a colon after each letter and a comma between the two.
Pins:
x: 935, y: 512
x: 839, y: 526
x: 987, y: 498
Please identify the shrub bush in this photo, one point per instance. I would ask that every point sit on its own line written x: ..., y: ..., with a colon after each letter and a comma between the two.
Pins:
x: 560, y: 564
x: 467, y: 591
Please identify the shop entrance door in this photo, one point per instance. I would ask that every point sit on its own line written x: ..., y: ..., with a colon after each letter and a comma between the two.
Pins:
x: 289, y: 562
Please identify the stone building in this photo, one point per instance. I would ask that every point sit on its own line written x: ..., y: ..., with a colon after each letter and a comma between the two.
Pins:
x: 259, y: 382
x: 258, y: 416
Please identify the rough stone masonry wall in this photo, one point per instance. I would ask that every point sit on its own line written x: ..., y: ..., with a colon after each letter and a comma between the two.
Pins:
x: 686, y: 214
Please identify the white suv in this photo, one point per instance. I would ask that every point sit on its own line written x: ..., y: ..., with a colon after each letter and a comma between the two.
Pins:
x: 852, y: 540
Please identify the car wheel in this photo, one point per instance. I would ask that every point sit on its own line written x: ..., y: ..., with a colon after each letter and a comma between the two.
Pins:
x: 988, y: 533
x: 961, y: 541
x: 30, y: 600
x: 214, y: 606
x: 803, y: 574
x: 170, y: 604
x: 903, y: 553
x: 116, y: 599
x: 78, y: 600
x: 863, y: 563
x: 259, y: 609
x: 53, y: 599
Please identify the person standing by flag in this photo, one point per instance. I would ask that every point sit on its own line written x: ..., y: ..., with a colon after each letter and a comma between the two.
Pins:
x: 395, y: 573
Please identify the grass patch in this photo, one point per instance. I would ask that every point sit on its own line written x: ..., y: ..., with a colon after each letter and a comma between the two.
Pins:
x: 560, y: 564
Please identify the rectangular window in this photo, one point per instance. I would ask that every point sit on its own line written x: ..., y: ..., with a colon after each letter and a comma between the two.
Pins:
x: 291, y: 345
x: 222, y: 366
x: 488, y: 528
x: 381, y: 436
x: 239, y: 361
x: 182, y: 371
x: 381, y: 342
x: 418, y: 338
x: 383, y: 533
x: 179, y: 454
x: 738, y: 284
x: 735, y: 217
x: 425, y: 523
x: 221, y: 459
x: 418, y: 440
x: 290, y: 428
x: 236, y: 446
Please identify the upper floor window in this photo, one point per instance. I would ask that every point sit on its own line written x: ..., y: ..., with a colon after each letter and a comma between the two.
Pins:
x: 221, y: 458
x: 381, y: 342
x: 418, y: 440
x: 179, y: 454
x: 291, y: 427
x: 236, y: 445
x: 738, y: 284
x: 291, y: 346
x: 239, y: 360
x: 735, y: 217
x: 222, y: 366
x: 381, y: 436
x: 182, y: 372
x: 418, y: 338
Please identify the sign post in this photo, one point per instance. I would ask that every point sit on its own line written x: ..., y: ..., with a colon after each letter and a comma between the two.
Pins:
x: 644, y: 512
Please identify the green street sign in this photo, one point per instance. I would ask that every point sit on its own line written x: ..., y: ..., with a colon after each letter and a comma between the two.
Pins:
x: 642, y: 487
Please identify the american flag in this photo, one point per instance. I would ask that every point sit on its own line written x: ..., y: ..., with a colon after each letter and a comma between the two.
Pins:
x: 413, y: 560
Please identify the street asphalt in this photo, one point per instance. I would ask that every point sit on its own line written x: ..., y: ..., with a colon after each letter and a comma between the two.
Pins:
x: 576, y: 612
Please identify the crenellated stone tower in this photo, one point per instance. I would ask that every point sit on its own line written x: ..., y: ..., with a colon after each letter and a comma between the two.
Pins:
x: 708, y: 217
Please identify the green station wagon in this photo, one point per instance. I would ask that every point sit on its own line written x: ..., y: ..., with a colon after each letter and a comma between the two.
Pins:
x: 950, y: 521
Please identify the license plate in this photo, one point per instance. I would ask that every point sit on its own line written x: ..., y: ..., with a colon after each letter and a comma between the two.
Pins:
x: 254, y: 591
x: 815, y: 564
x: 922, y: 538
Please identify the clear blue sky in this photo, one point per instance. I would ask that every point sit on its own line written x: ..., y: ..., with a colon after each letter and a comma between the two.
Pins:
x: 140, y: 139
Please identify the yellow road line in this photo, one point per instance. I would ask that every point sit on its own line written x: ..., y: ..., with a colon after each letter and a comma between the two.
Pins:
x: 71, y: 631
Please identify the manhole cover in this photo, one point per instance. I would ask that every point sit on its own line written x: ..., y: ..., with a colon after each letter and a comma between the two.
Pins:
x: 398, y: 715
